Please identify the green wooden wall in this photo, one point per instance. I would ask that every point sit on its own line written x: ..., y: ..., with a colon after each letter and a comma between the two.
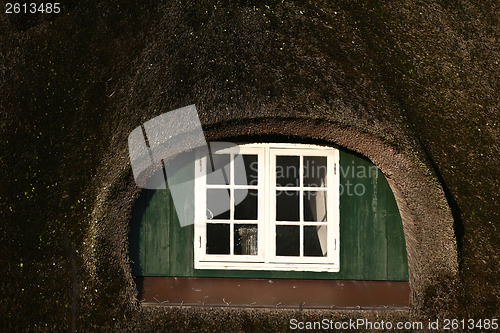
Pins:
x: 371, y: 234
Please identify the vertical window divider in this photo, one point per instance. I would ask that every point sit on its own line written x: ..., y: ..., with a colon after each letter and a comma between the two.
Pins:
x: 301, y: 205
x: 261, y: 209
x: 268, y: 202
x: 232, y: 156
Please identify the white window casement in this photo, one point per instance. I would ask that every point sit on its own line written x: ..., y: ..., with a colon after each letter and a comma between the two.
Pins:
x: 275, y: 207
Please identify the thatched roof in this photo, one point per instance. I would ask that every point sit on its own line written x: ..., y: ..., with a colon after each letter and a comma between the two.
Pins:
x: 412, y: 86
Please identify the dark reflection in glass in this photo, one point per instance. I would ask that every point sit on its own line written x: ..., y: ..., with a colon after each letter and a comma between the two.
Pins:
x: 246, y: 209
x: 315, y: 206
x: 287, y: 170
x: 245, y: 239
x: 218, y: 204
x: 287, y: 206
x: 315, y: 238
x: 315, y: 170
x: 220, y: 173
x: 250, y: 176
x: 217, y: 238
x: 287, y: 240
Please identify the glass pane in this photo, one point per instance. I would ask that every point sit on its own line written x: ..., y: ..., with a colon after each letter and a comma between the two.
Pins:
x: 315, y: 206
x: 287, y: 170
x: 218, y: 173
x: 217, y: 238
x: 250, y: 177
x: 287, y: 240
x: 247, y: 208
x: 218, y: 204
x: 315, y: 171
x: 245, y: 239
x: 315, y: 241
x: 287, y: 206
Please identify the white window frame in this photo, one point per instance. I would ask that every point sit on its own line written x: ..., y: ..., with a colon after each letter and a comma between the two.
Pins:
x: 266, y: 258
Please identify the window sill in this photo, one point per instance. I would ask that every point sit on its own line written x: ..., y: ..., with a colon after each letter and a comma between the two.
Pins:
x: 274, y: 293
x: 258, y: 266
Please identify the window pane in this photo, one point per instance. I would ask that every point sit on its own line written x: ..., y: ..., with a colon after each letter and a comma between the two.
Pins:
x: 217, y: 238
x: 245, y: 239
x: 250, y: 177
x: 287, y: 240
x: 219, y: 174
x: 218, y: 204
x: 247, y: 208
x: 315, y: 171
x: 287, y: 206
x: 287, y: 170
x: 315, y: 206
x: 315, y: 238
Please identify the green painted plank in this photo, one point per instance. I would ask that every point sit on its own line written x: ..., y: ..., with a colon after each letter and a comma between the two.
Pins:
x: 397, y: 256
x: 378, y: 214
x: 350, y: 226
x: 136, y: 238
x: 157, y: 220
x: 181, y: 237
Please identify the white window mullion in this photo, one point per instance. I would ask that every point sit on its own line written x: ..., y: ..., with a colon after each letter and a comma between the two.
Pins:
x: 270, y: 203
x: 262, y: 205
x: 301, y: 205
x: 200, y: 225
x: 330, y: 248
x: 334, y: 216
x: 231, y: 204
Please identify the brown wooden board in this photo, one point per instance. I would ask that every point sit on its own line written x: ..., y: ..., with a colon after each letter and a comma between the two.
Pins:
x: 283, y: 293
